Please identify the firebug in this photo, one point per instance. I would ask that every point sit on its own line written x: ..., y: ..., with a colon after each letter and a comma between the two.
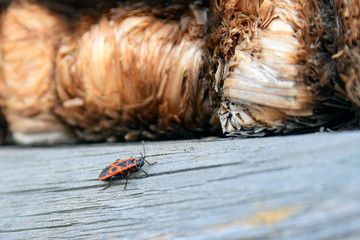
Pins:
x: 122, y: 168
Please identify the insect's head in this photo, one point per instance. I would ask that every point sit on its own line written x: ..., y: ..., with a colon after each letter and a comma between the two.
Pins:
x: 141, y: 161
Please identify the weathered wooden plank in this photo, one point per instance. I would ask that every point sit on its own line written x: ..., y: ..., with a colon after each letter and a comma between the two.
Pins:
x: 294, y: 187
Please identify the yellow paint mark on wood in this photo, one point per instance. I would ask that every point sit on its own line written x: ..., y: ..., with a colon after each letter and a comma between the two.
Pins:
x: 263, y: 218
x: 271, y: 217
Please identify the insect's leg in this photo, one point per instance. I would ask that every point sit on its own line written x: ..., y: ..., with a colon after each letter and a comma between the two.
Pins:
x: 126, y: 177
x: 144, y: 172
x: 143, y: 156
x: 149, y: 163
x: 109, y: 183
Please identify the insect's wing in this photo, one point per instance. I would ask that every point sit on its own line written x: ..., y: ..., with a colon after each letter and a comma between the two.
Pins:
x: 111, y: 170
x: 104, y: 173
x: 116, y: 167
x: 121, y: 163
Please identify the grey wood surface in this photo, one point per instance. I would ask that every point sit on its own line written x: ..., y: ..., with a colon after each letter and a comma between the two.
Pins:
x: 293, y: 187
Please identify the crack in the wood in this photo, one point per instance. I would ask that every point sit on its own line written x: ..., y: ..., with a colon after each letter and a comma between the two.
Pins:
x: 75, y: 188
x: 28, y: 190
x: 170, y: 203
x: 194, y: 169
x: 250, y: 173
x: 38, y: 228
x: 113, y: 153
x: 63, y: 211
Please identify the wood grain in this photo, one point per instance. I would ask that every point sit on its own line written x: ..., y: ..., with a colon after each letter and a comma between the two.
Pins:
x: 293, y: 187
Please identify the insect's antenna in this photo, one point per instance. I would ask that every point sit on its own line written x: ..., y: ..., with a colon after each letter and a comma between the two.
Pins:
x: 144, y: 156
x: 143, y: 147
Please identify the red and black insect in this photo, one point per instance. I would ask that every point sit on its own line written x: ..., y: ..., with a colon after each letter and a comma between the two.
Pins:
x: 122, y: 168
